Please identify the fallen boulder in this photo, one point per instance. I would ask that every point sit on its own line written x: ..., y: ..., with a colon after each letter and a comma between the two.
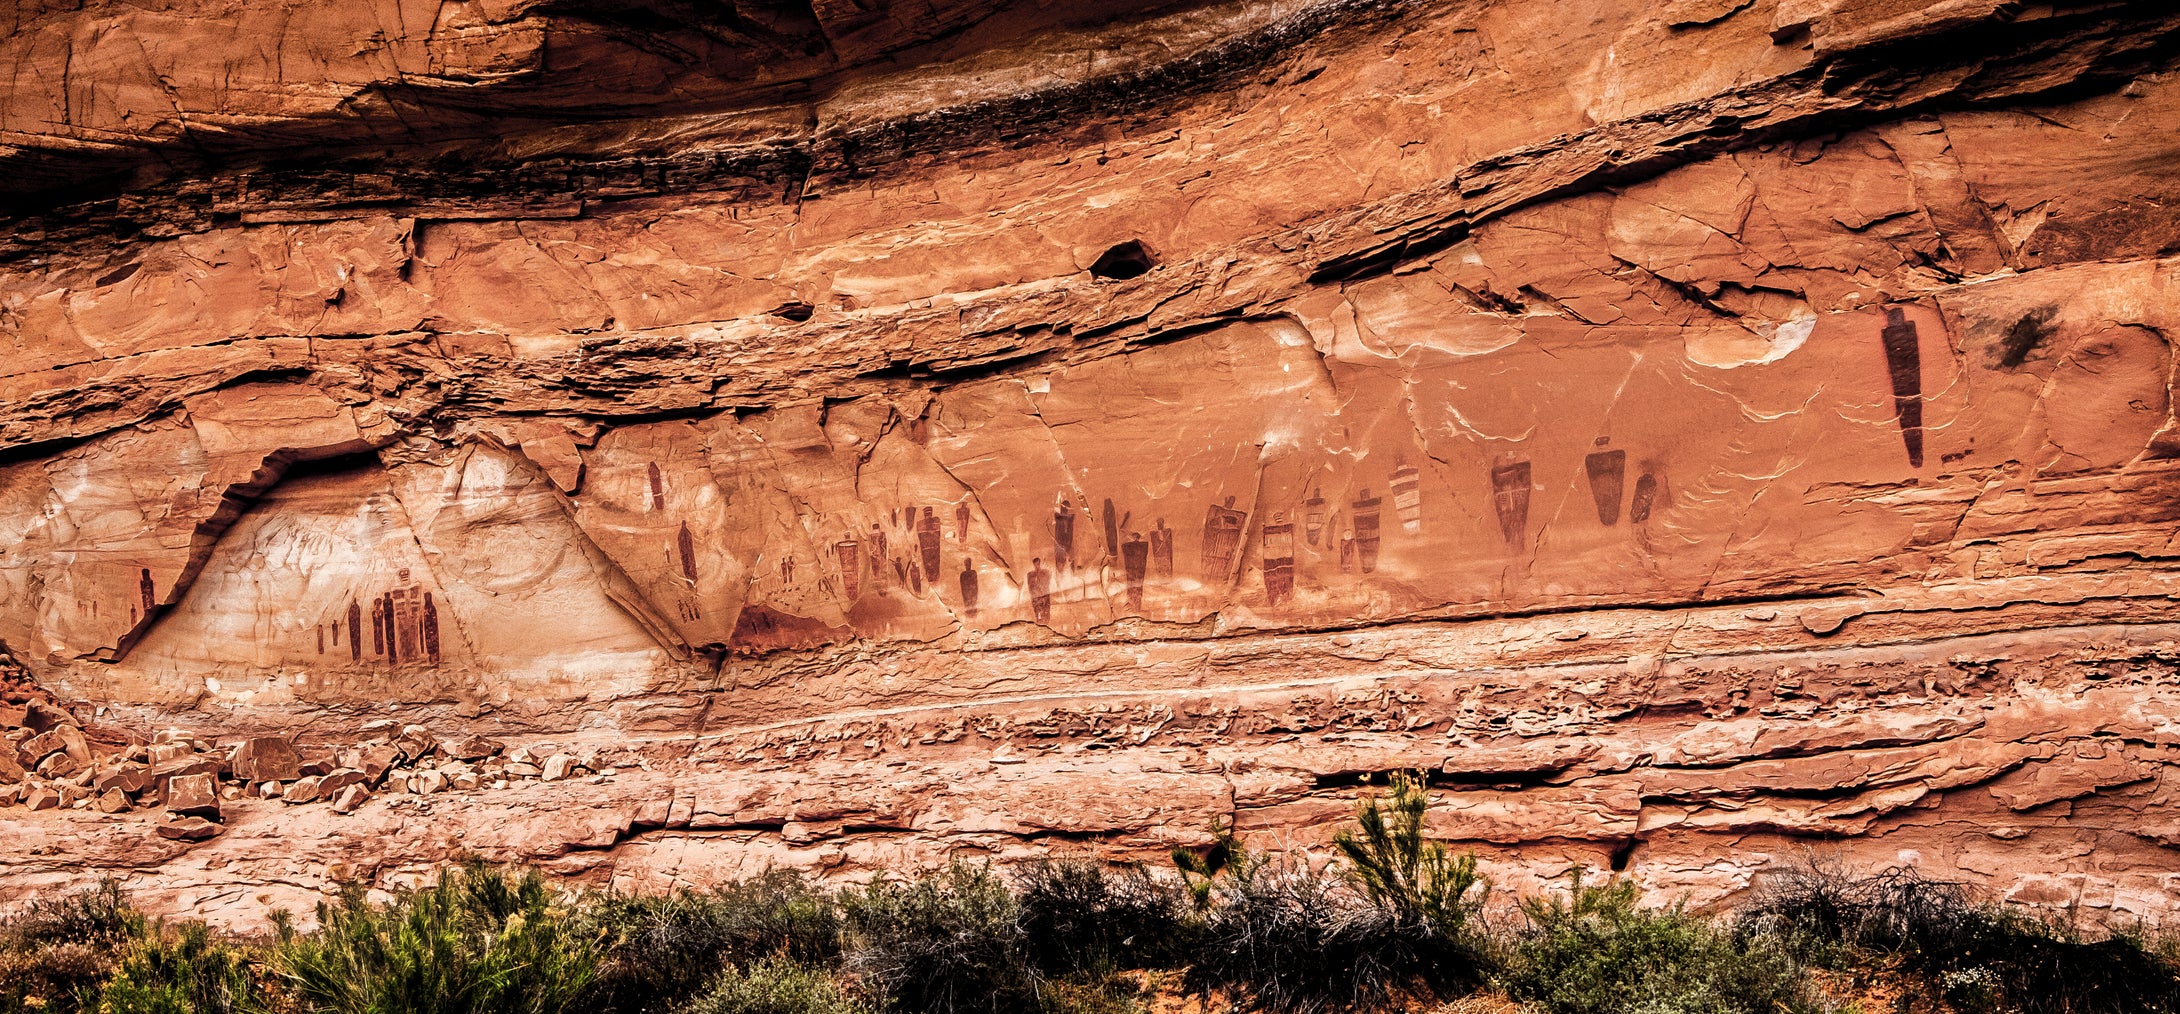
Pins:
x: 188, y: 829
x: 470, y: 748
x: 163, y: 774
x: 66, y: 738
x: 194, y: 795
x: 266, y: 759
x: 351, y: 797
x: 129, y: 778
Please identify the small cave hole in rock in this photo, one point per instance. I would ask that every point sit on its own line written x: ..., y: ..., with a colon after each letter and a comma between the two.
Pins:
x: 1621, y: 853
x: 796, y: 311
x: 1124, y: 260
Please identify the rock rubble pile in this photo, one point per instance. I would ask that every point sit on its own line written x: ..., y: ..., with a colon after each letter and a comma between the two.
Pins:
x: 51, y: 762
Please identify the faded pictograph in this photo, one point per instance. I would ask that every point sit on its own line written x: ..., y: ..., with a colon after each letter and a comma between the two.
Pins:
x: 1135, y: 562
x: 1063, y: 535
x: 1223, y: 524
x: 1040, y: 592
x: 848, y: 564
x: 1407, y: 488
x: 1645, y: 499
x: 1607, y: 472
x: 927, y: 543
x: 1313, y: 516
x: 1278, y: 556
x: 879, y: 557
x: 1904, y: 364
x: 1510, y: 490
x: 1365, y: 514
x: 404, y: 623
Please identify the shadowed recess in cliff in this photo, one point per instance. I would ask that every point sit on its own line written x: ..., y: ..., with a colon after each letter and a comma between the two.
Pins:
x: 518, y: 123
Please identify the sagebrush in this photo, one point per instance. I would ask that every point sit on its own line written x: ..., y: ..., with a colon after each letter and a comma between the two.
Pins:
x: 1387, y: 919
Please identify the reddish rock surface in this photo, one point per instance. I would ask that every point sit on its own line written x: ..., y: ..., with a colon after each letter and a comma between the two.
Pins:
x: 187, y: 829
x: 1696, y: 432
x: 193, y: 796
x: 265, y: 759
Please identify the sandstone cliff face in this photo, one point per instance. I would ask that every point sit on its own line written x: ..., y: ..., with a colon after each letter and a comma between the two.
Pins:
x: 1694, y: 432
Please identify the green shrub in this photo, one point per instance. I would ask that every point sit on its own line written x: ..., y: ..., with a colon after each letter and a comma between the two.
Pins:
x: 1413, y: 880
x: 660, y: 949
x: 55, y: 950
x: 1201, y: 870
x: 1595, y: 952
x: 99, y: 914
x: 1281, y: 935
x: 1270, y: 940
x: 480, y: 941
x: 944, y: 943
x: 1082, y: 918
x: 178, y: 970
x: 1288, y: 937
x: 1974, y: 956
x: 775, y: 986
x: 1393, y: 921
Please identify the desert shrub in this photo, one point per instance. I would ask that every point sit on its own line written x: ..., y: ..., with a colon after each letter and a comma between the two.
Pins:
x: 775, y: 986
x: 1975, y: 956
x: 479, y: 940
x: 1420, y: 934
x: 1595, y: 952
x: 181, y: 969
x: 1264, y: 936
x: 1084, y: 919
x: 1200, y: 871
x: 1828, y: 906
x: 55, y: 950
x: 660, y: 949
x: 100, y: 913
x: 1292, y: 938
x: 1282, y: 935
x: 1413, y: 880
x: 945, y: 943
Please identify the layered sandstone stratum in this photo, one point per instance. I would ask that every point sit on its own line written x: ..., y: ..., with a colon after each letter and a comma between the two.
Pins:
x: 1696, y: 433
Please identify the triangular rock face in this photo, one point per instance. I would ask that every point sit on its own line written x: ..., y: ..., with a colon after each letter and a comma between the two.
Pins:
x: 95, y: 540
x: 98, y: 540
x: 420, y: 582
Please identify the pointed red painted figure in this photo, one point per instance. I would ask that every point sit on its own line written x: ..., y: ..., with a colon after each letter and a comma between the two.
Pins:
x: 1904, y: 361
